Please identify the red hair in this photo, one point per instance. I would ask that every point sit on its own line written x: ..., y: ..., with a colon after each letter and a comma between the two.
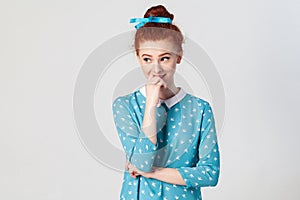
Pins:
x: 159, y: 31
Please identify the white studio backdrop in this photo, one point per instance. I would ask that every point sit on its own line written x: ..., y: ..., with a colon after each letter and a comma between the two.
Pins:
x: 254, y: 44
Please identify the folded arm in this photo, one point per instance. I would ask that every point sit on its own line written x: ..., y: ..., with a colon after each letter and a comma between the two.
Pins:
x: 139, y: 145
x: 206, y: 171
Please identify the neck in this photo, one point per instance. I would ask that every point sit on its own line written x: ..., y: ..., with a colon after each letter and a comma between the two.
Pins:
x: 166, y: 93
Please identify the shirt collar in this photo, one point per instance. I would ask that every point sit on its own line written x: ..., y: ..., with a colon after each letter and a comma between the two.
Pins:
x: 170, y: 101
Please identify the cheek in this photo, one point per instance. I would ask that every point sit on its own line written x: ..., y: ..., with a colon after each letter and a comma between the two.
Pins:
x: 170, y: 68
x: 170, y: 73
x: 171, y: 64
x: 146, y: 70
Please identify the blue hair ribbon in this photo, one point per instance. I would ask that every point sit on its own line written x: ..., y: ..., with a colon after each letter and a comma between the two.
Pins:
x: 143, y: 21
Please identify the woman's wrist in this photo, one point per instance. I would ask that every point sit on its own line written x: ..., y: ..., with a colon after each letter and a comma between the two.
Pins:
x: 155, y: 173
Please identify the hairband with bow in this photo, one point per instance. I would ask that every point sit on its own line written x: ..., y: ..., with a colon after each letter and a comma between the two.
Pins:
x: 143, y: 21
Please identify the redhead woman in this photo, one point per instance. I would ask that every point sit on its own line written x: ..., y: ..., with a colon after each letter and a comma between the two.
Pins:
x: 168, y: 135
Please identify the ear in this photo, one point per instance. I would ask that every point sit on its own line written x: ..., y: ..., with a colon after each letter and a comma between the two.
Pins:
x: 138, y: 58
x: 179, y: 57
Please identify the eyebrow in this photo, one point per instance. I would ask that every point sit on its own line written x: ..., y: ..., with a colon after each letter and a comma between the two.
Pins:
x: 158, y: 55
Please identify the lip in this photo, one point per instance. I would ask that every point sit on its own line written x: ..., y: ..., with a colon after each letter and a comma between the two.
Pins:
x: 159, y: 75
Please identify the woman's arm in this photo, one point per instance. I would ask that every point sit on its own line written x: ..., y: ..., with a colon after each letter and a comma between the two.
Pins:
x: 139, y: 143
x: 205, y: 173
x: 207, y: 169
x: 169, y: 175
x: 139, y: 149
x: 149, y: 121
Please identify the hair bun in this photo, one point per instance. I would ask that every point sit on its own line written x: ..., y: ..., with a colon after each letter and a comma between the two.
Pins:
x: 155, y: 31
x: 158, y: 11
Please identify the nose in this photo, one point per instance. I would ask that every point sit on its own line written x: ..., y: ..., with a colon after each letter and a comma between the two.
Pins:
x: 157, y: 68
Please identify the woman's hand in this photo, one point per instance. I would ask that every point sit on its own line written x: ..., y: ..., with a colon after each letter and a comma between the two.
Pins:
x: 168, y: 175
x: 152, y: 97
x: 153, y: 85
x: 134, y: 172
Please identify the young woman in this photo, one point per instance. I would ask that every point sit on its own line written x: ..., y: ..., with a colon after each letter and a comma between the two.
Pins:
x: 168, y: 135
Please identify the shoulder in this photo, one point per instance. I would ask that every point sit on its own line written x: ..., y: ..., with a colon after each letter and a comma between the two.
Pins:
x: 124, y: 100
x: 202, y: 103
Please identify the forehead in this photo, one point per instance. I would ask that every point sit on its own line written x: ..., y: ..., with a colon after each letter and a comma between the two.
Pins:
x: 159, y: 46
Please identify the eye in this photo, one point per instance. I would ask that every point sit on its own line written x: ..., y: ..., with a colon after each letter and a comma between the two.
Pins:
x: 146, y: 59
x: 166, y: 57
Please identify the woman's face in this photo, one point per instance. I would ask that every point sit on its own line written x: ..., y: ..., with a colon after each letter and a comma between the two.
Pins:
x: 158, y: 58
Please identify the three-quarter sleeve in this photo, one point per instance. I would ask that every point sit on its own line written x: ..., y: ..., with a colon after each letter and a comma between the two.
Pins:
x: 140, y: 151
x: 206, y: 171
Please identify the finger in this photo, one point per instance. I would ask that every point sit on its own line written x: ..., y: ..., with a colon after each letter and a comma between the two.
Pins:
x: 132, y: 174
x: 154, y: 80
x: 164, y: 83
x: 132, y: 168
x: 150, y: 78
x: 129, y: 168
x: 160, y: 80
x: 127, y: 165
x: 161, y: 84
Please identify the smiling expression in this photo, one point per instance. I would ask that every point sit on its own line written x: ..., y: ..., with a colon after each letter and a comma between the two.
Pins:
x: 158, y: 58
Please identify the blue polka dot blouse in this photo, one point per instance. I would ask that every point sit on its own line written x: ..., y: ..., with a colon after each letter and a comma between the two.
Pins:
x: 186, y: 140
